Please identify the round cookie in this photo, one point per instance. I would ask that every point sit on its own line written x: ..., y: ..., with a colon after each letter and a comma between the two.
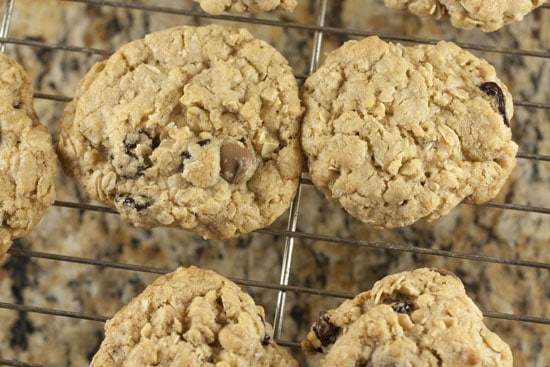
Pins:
x: 414, y: 318
x: 243, y: 6
x: 468, y: 14
x: 191, y: 127
x: 27, y: 158
x: 395, y: 134
x: 190, y: 317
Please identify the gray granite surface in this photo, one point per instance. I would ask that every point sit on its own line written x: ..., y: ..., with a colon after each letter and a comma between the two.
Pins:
x: 61, y: 341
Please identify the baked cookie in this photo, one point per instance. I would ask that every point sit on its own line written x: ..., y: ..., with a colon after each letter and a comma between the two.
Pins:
x: 468, y: 14
x: 27, y: 158
x: 395, y: 134
x: 414, y: 318
x: 242, y: 6
x: 191, y: 317
x: 191, y: 127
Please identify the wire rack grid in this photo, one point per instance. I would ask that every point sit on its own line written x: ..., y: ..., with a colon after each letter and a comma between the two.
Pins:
x: 318, y: 30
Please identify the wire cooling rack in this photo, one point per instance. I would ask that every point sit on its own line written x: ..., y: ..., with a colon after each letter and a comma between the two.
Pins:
x: 318, y: 30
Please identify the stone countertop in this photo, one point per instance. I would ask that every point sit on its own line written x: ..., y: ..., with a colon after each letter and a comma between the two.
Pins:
x: 93, y: 290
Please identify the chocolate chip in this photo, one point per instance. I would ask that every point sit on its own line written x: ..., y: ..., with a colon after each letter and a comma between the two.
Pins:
x: 403, y: 307
x: 131, y: 141
x: 204, y: 142
x: 325, y: 331
x: 235, y: 159
x: 492, y: 89
x: 138, y: 146
x: 184, y: 156
x: 266, y: 339
x: 137, y: 202
x: 155, y: 142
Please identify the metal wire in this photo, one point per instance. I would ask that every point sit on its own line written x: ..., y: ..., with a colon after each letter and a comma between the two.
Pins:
x: 294, y: 208
x: 160, y: 271
x: 309, y: 27
x: 97, y: 51
x: 6, y: 21
x: 318, y: 30
x: 7, y: 362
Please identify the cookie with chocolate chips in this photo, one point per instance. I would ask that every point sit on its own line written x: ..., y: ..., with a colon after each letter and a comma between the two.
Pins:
x: 396, y: 134
x: 414, y: 318
x: 243, y: 6
x: 191, y: 127
x: 469, y: 14
x: 27, y: 158
x: 191, y: 317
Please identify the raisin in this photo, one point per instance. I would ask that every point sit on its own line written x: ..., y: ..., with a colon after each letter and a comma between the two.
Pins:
x: 135, y: 158
x: 131, y: 141
x: 492, y: 89
x: 403, y: 307
x: 155, y: 142
x: 138, y: 203
x: 325, y: 331
x: 184, y: 156
x: 266, y: 338
x: 204, y: 142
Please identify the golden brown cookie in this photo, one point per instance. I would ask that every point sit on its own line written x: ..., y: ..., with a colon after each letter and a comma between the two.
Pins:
x: 193, y: 318
x: 27, y: 158
x: 191, y: 127
x: 468, y: 14
x: 396, y: 134
x: 243, y: 6
x: 414, y: 318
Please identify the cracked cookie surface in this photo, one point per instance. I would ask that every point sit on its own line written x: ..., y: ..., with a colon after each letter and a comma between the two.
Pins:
x: 243, y: 6
x: 191, y: 127
x: 27, y: 158
x: 413, y: 318
x: 190, y: 317
x: 468, y: 14
x: 396, y: 134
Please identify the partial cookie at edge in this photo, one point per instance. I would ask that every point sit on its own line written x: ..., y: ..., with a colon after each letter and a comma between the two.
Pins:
x: 27, y: 158
x: 420, y: 318
x: 488, y: 16
x: 190, y: 317
x: 216, y: 7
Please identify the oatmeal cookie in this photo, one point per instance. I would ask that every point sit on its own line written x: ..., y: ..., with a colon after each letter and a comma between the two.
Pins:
x: 191, y: 127
x: 242, y: 6
x: 395, y: 134
x: 414, y: 318
x: 191, y: 317
x: 27, y: 158
x: 468, y: 14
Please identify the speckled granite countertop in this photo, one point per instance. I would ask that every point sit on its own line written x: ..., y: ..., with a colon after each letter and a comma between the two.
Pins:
x: 62, y: 341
